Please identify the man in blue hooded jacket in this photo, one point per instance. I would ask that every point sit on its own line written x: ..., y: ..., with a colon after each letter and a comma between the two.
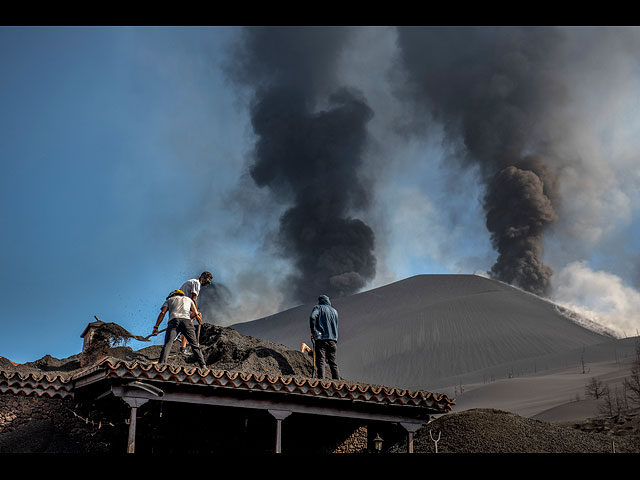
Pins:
x: 324, y: 333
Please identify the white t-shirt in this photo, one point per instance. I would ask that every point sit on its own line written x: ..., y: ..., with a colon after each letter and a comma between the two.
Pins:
x: 179, y: 307
x: 191, y: 286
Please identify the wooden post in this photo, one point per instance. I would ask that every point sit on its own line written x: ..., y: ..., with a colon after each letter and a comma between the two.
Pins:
x: 279, y: 415
x: 134, y: 403
x: 411, y: 428
x: 131, y: 443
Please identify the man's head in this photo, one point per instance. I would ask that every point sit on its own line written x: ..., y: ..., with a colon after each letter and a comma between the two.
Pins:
x: 176, y: 293
x: 324, y: 300
x: 206, y: 278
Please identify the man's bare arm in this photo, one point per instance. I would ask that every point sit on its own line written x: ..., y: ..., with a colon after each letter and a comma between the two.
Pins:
x: 160, y: 318
x: 195, y: 313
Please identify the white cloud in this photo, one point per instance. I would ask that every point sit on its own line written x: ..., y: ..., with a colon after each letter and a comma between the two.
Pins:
x: 599, y: 296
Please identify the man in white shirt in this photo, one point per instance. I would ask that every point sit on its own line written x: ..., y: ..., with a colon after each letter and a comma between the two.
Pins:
x: 191, y: 289
x: 181, y: 309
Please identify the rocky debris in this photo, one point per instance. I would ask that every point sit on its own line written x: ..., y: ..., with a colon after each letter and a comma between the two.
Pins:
x: 354, y: 443
x: 496, y: 431
x: 626, y: 425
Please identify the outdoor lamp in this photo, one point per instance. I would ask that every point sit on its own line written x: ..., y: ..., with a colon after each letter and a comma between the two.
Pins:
x: 377, y: 443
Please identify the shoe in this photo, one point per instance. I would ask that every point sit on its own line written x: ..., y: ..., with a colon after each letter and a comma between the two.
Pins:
x: 204, y: 366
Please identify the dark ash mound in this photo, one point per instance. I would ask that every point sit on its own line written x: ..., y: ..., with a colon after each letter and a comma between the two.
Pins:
x: 226, y: 349
x: 223, y: 349
x: 495, y: 431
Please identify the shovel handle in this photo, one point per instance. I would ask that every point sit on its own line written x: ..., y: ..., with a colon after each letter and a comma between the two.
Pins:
x: 154, y: 334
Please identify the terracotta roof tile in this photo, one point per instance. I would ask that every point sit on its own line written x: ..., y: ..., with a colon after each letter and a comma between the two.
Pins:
x: 116, y: 368
x: 38, y: 384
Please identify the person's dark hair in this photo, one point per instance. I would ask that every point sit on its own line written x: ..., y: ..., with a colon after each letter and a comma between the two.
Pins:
x: 208, y: 278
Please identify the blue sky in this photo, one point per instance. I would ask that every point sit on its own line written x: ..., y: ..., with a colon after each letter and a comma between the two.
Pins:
x: 121, y: 149
x: 93, y: 191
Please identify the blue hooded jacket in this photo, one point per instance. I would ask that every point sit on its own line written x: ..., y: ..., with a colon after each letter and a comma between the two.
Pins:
x: 324, y: 320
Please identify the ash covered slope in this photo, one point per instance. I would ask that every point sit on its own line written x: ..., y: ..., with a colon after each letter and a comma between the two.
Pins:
x: 428, y: 330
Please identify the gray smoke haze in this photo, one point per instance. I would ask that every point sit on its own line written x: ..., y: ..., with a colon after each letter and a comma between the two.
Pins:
x: 310, y: 134
x: 215, y: 303
x: 493, y: 89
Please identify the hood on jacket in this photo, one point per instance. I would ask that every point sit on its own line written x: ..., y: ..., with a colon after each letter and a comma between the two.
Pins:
x: 324, y: 300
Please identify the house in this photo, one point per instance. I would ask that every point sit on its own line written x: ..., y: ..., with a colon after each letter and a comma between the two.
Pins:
x: 117, y: 406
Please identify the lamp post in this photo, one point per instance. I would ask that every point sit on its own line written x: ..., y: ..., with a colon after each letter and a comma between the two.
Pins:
x: 377, y: 443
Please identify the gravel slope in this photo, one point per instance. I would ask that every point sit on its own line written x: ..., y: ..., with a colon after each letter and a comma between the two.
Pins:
x: 496, y: 431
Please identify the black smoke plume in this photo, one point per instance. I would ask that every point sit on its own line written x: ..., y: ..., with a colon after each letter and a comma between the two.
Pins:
x: 494, y: 90
x: 310, y: 135
x: 518, y: 211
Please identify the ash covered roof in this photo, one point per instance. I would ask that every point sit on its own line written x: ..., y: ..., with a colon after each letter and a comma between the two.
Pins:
x: 237, y: 362
x: 111, y: 368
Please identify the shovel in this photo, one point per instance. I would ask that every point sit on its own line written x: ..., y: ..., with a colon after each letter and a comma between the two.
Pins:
x: 315, y: 368
x: 146, y: 339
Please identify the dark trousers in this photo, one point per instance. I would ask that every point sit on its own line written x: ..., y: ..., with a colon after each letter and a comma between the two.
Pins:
x: 326, y: 351
x: 185, y: 327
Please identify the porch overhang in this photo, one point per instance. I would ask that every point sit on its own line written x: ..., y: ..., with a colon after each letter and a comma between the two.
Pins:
x: 137, y: 383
